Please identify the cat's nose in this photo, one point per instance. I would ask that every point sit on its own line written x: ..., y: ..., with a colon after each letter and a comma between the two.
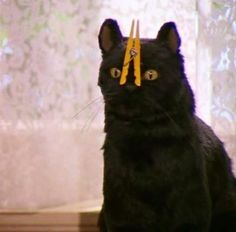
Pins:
x: 130, y: 87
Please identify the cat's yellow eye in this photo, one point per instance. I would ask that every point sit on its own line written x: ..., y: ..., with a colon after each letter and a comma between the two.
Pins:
x: 150, y: 75
x: 115, y: 72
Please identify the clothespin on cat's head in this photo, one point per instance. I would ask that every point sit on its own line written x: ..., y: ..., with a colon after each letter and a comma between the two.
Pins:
x: 132, y: 53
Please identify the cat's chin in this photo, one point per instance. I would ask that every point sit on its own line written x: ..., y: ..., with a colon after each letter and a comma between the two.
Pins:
x: 139, y: 116
x: 128, y: 118
x: 128, y: 114
x: 131, y: 117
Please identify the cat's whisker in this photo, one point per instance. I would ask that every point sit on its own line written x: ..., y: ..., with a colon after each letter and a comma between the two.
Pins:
x: 171, y: 119
x: 87, y: 106
x: 89, y: 122
x: 177, y: 126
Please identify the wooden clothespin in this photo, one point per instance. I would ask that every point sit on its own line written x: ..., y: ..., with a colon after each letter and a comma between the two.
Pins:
x: 132, y: 53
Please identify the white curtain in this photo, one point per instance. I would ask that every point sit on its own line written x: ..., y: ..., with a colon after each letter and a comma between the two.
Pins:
x: 51, y: 110
x: 216, y: 77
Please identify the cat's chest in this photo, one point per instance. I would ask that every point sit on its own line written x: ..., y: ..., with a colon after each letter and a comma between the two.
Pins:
x: 146, y: 169
x: 147, y: 156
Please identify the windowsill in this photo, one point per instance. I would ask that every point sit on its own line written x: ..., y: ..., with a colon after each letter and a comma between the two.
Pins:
x: 26, y: 221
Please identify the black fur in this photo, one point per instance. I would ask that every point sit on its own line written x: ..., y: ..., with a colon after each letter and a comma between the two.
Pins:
x: 164, y: 169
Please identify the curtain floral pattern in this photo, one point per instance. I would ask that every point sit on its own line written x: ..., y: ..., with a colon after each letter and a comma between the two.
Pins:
x: 217, y: 67
x: 224, y: 72
x: 51, y: 110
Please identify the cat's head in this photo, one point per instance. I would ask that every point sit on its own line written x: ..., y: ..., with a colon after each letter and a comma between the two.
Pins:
x: 164, y: 88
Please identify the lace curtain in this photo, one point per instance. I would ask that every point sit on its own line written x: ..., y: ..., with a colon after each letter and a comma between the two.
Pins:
x: 217, y: 67
x: 51, y: 110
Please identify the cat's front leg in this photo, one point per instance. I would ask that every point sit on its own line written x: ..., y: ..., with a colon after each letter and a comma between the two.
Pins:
x: 101, y: 222
x: 225, y: 222
x: 190, y: 228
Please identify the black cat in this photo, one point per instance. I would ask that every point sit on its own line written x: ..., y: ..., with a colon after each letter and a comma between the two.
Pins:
x: 164, y: 169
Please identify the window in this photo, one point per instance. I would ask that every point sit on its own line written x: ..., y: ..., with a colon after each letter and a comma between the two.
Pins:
x: 51, y: 110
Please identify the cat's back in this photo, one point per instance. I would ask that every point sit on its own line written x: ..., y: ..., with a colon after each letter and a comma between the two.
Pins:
x: 213, y: 147
x: 217, y: 163
x: 206, y: 135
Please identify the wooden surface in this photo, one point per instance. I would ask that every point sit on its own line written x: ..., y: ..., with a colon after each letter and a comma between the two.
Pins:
x: 48, y: 222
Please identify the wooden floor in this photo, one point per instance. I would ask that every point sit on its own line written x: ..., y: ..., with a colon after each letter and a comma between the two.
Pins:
x: 48, y: 222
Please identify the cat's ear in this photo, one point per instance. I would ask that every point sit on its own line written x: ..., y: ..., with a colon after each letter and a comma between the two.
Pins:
x: 169, y: 34
x: 109, y: 36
